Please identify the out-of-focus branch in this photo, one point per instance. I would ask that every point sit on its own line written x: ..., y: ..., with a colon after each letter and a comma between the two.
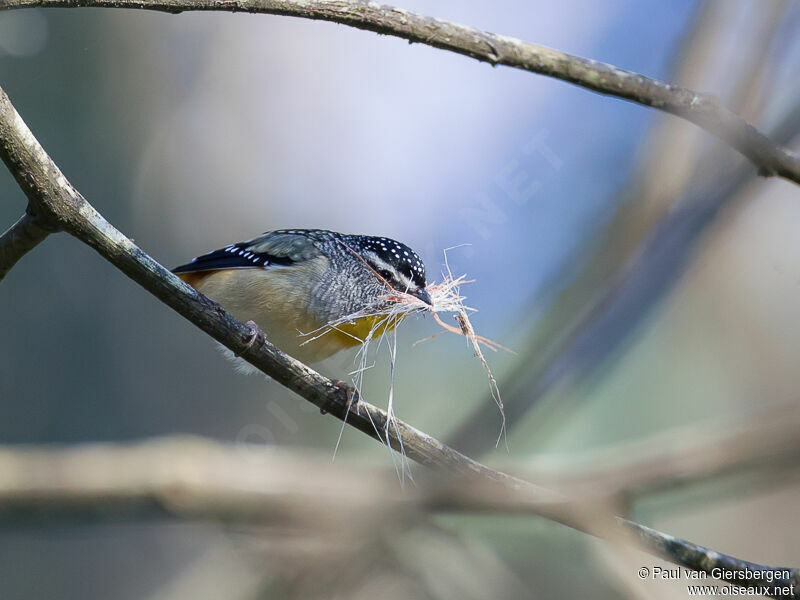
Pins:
x: 50, y: 194
x: 689, y: 455
x: 202, y: 479
x: 183, y: 477
x: 623, y: 302
x: 749, y: 93
x: 196, y: 478
x: 701, y: 109
x: 19, y: 239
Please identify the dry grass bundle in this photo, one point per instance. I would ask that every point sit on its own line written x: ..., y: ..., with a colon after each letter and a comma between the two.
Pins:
x: 390, y: 310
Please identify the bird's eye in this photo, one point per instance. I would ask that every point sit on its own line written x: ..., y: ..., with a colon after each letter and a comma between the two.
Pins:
x: 387, y: 275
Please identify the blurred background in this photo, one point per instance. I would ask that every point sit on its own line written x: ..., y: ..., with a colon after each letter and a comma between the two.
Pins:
x: 647, y: 279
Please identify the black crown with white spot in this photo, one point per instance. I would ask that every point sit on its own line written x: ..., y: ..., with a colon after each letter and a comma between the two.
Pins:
x: 391, y: 252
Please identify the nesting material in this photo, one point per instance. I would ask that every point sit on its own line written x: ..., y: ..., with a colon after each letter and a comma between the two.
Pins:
x: 392, y: 308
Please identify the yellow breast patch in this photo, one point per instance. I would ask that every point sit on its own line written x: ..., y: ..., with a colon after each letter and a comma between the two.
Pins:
x: 355, y: 332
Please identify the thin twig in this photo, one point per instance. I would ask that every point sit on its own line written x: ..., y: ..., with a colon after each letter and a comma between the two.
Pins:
x: 22, y: 237
x: 701, y: 109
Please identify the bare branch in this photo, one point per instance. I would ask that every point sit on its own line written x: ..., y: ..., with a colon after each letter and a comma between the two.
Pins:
x: 697, y: 557
x: 701, y: 109
x: 22, y: 237
x: 53, y: 197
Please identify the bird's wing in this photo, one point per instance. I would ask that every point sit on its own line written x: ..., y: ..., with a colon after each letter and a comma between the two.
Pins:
x: 273, y: 249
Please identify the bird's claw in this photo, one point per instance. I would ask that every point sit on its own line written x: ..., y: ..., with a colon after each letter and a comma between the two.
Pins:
x: 253, y: 333
x: 350, y: 394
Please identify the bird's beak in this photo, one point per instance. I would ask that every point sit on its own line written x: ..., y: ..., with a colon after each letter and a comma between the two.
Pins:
x: 424, y: 296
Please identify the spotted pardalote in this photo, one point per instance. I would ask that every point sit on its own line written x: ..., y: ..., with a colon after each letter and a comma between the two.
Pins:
x: 293, y: 282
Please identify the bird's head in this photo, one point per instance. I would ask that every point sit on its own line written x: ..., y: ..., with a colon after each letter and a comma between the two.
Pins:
x: 395, y: 264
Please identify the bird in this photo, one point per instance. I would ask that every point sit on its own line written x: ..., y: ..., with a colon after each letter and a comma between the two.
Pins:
x: 294, y: 282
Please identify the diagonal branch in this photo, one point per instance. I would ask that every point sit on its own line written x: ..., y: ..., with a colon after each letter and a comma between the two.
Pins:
x: 51, y: 195
x: 703, y: 110
x: 19, y: 239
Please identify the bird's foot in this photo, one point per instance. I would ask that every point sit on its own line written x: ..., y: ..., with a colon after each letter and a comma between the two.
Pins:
x: 351, y: 395
x: 253, y: 334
